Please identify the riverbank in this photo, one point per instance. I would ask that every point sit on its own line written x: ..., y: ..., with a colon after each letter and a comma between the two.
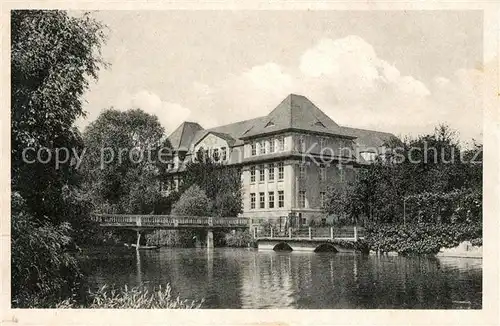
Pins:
x: 426, y: 239
x: 463, y: 250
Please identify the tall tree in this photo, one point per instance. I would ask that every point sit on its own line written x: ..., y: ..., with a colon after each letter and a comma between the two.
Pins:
x: 53, y: 56
x: 125, y: 151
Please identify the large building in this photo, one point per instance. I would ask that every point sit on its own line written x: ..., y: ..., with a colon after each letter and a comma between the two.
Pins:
x: 288, y: 158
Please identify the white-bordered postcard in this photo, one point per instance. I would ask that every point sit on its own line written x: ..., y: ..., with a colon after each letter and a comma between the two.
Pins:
x: 241, y: 163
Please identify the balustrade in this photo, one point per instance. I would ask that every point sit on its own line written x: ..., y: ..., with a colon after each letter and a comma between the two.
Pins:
x: 167, y: 220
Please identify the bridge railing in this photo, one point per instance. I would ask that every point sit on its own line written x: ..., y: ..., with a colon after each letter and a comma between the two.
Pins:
x: 230, y: 221
x: 168, y: 220
x: 352, y: 232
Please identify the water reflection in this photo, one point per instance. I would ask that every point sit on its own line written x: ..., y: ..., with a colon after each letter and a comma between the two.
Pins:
x: 242, y: 278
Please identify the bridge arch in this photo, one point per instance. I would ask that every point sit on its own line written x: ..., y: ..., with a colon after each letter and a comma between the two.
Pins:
x: 282, y: 246
x: 325, y: 247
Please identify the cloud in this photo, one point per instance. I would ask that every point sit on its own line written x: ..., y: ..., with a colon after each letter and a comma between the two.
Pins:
x: 252, y: 93
x: 354, y: 71
x: 169, y: 114
x: 346, y: 79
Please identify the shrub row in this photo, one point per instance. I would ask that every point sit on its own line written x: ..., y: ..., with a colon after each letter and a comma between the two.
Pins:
x: 421, y: 238
x: 239, y: 239
x: 455, y: 206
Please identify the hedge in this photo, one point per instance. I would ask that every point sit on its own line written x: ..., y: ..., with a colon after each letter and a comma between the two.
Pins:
x: 421, y: 238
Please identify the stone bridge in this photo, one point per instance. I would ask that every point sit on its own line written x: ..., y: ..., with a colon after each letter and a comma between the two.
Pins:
x: 311, y: 239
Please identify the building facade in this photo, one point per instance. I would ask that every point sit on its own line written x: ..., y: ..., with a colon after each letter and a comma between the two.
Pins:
x: 288, y: 159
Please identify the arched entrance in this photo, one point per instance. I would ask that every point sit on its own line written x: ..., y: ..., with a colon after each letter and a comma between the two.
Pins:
x: 282, y: 246
x: 325, y: 247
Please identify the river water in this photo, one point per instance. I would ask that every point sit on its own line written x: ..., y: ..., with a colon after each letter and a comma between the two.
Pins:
x: 246, y: 278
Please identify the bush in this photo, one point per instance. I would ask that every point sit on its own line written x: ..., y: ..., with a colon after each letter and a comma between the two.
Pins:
x: 239, y: 239
x: 42, y: 268
x: 453, y: 206
x: 134, y: 298
x: 420, y: 238
x: 193, y: 202
x: 170, y: 238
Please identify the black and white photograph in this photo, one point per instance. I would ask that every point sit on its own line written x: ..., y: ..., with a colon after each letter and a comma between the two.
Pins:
x: 248, y: 159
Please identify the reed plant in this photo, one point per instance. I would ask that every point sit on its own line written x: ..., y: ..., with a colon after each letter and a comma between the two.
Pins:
x: 134, y: 298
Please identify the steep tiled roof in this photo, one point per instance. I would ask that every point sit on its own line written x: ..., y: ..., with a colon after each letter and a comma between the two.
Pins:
x: 234, y: 130
x: 182, y: 137
x: 295, y: 112
x: 366, y: 139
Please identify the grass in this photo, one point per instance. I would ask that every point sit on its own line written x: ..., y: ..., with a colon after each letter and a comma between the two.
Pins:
x: 134, y: 298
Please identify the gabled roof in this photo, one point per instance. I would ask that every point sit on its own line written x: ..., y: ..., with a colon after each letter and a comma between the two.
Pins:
x: 182, y: 137
x: 230, y: 140
x: 366, y: 139
x: 295, y: 112
x: 233, y: 130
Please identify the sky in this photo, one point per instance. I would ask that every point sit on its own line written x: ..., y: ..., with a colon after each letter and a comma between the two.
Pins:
x: 396, y: 71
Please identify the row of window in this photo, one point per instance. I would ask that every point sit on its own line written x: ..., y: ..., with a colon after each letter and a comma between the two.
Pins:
x: 281, y: 199
x: 270, y: 172
x: 322, y: 143
x: 322, y: 172
x: 275, y: 144
x: 271, y: 199
x: 216, y: 153
x: 302, y: 199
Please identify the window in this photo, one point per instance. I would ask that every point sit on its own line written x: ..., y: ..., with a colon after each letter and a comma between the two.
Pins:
x: 302, y: 199
x: 215, y: 154
x: 254, y: 149
x: 252, y: 201
x: 302, y: 144
x: 262, y: 147
x: 281, y: 144
x: 199, y: 155
x: 302, y: 171
x: 224, y: 153
x: 322, y: 172
x: 281, y: 198
x: 262, y: 171
x: 252, y: 174
x: 270, y: 175
x: 281, y: 171
x: 207, y: 154
x: 271, y: 145
x: 271, y: 199
x: 322, y: 197
x: 322, y: 142
x: 262, y: 200
x: 341, y: 148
